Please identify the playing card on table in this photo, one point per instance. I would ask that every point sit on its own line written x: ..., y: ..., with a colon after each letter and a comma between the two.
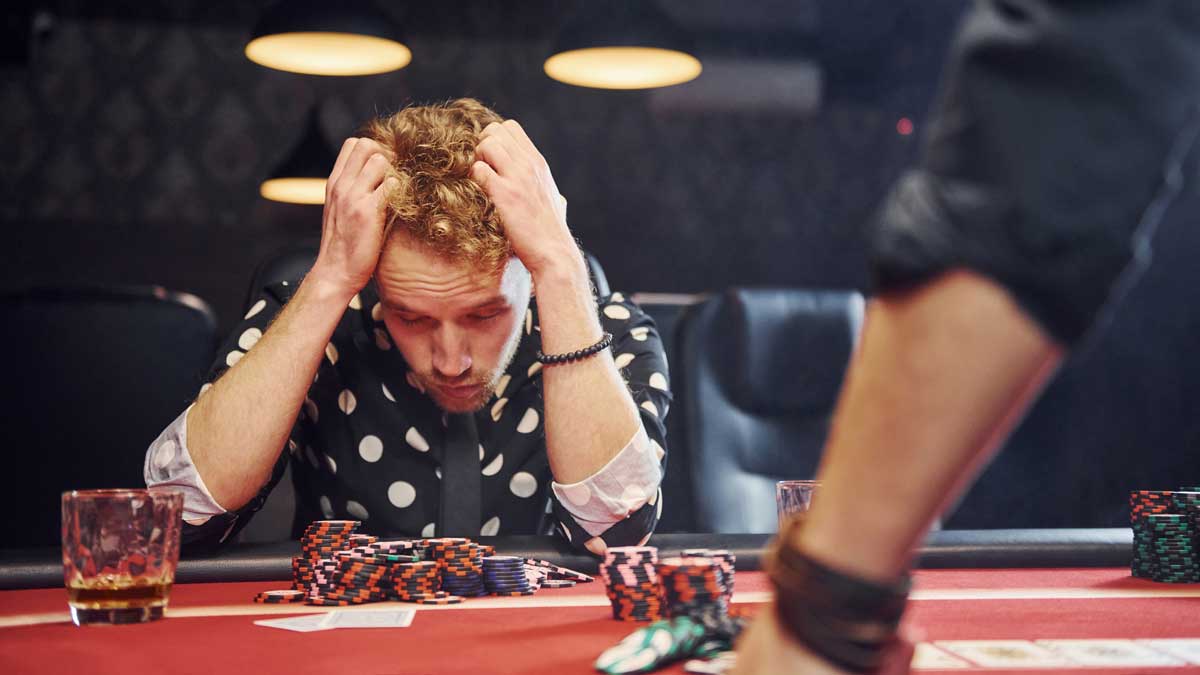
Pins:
x: 1109, y: 653
x: 305, y: 623
x: 1187, y: 649
x: 928, y: 657
x: 1004, y: 653
x: 374, y: 618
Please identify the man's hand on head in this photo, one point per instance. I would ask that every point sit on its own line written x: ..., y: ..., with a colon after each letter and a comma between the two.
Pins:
x: 517, y: 179
x: 352, y: 227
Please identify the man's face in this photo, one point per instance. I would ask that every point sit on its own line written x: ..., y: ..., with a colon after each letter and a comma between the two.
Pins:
x: 457, y: 328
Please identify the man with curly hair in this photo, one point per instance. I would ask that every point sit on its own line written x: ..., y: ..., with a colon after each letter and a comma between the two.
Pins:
x: 444, y: 368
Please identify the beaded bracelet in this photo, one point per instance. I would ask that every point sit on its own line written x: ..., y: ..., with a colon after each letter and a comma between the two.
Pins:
x: 577, y: 355
x: 848, y: 621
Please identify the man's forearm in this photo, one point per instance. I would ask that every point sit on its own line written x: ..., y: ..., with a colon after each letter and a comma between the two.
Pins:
x: 237, y: 428
x: 590, y: 415
x: 942, y: 375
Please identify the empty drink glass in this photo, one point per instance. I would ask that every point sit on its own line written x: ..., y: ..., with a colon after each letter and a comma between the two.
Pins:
x: 794, y: 497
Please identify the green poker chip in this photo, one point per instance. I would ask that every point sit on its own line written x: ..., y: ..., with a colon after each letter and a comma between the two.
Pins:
x: 652, y: 647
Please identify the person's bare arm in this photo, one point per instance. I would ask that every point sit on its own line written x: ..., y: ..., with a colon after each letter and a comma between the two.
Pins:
x: 237, y: 429
x: 590, y: 415
x: 941, y: 376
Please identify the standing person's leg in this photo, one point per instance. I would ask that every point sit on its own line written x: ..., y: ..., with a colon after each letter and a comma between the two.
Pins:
x: 942, y: 374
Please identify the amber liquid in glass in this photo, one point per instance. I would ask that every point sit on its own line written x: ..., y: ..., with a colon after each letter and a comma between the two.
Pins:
x: 114, y: 596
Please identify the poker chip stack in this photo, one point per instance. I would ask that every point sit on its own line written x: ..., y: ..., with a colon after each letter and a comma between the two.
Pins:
x: 420, y: 582
x: 361, y: 539
x: 1172, y: 548
x: 461, y: 562
x: 345, y: 581
x: 631, y: 583
x: 693, y: 586
x: 1187, y: 503
x: 1165, y: 535
x: 725, y: 560
x: 339, y: 567
x: 506, y: 575
x: 323, y: 538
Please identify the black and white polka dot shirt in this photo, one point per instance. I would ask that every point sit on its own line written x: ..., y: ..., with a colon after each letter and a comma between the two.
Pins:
x: 368, y: 444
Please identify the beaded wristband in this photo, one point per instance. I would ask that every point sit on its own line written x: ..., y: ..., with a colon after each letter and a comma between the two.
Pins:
x: 847, y: 621
x: 577, y: 355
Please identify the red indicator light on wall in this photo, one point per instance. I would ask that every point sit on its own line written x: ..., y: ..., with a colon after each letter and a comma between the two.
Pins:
x: 904, y: 126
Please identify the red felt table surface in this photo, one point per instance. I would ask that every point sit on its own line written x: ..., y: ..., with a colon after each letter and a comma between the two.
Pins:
x: 536, y: 638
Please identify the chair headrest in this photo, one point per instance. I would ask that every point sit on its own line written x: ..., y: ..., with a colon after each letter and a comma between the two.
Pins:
x: 784, y: 350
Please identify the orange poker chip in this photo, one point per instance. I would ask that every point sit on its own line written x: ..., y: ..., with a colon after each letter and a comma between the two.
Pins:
x: 280, y: 597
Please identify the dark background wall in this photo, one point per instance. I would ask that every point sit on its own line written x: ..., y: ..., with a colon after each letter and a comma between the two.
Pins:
x: 136, y: 135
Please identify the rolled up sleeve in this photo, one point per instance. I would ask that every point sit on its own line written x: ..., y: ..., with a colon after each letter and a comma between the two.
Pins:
x: 621, y: 503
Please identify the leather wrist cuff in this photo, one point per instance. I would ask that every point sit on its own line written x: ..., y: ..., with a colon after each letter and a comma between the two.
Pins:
x: 845, y: 620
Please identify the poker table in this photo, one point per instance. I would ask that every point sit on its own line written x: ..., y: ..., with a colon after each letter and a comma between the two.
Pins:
x: 969, y: 585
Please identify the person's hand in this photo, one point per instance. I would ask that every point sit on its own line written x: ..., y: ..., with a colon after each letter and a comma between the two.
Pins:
x: 352, y: 224
x: 517, y: 179
x: 766, y: 649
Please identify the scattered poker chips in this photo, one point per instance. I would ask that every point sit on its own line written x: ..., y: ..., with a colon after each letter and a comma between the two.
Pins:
x: 1165, y: 527
x: 339, y: 566
x: 652, y: 647
x: 558, y: 572
x: 631, y: 583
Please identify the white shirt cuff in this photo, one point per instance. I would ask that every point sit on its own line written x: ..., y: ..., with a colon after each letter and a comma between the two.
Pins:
x: 624, y: 485
x: 168, y: 464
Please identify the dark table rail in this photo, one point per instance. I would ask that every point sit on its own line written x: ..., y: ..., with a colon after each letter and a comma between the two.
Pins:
x: 42, y: 568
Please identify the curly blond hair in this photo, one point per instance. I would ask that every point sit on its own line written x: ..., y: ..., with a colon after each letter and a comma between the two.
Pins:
x: 436, y: 202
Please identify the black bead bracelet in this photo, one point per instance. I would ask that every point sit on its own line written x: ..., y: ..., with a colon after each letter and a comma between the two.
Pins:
x: 577, y: 355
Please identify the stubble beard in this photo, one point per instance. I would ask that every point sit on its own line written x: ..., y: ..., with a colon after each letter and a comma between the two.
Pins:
x: 485, y: 393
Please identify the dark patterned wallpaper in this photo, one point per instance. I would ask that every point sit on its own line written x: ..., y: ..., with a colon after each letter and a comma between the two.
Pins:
x: 138, y: 137
x: 137, y: 134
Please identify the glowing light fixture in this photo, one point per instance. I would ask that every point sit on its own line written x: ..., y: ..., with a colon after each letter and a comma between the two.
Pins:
x: 347, y: 37
x: 622, y: 44
x: 300, y: 178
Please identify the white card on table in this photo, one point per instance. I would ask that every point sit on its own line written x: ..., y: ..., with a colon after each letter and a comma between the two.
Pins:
x: 1109, y: 653
x: 928, y: 657
x: 371, y: 618
x: 1187, y: 649
x: 1003, y: 653
x: 305, y: 623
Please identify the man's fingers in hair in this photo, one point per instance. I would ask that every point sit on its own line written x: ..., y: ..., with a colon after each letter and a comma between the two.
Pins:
x: 497, y: 148
x: 372, y: 174
x: 484, y: 174
x: 363, y: 150
x: 381, y: 196
x: 518, y: 134
x: 340, y: 164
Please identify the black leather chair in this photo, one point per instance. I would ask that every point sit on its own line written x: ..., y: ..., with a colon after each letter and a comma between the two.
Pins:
x: 758, y: 377
x: 92, y: 376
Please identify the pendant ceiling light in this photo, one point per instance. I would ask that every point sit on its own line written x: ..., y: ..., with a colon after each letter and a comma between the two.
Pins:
x: 344, y: 37
x: 622, y: 44
x: 300, y: 178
